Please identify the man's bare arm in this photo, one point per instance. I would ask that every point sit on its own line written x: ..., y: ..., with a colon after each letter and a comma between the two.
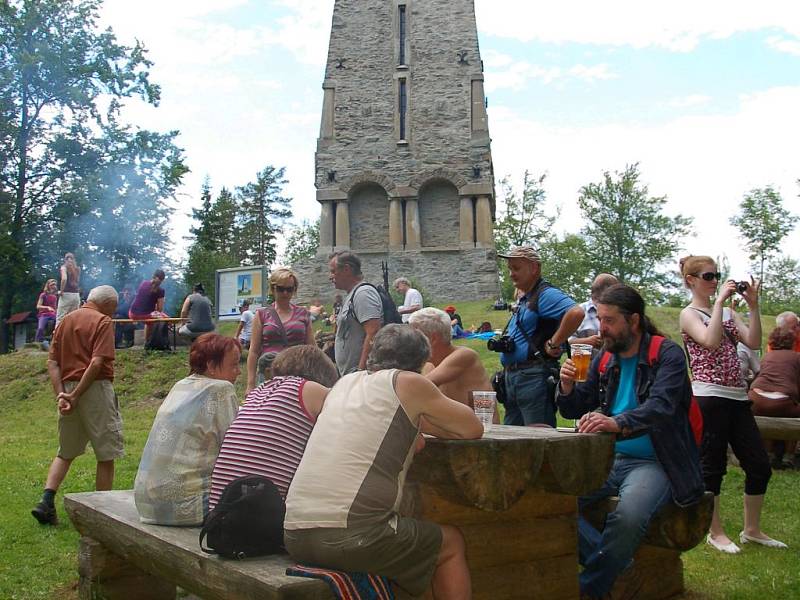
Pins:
x: 445, y: 417
x: 371, y: 327
x: 88, y: 378
x: 54, y: 370
x: 569, y: 323
x: 451, y: 368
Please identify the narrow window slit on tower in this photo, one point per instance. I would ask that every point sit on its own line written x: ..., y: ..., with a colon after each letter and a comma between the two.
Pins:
x: 403, y: 221
x: 333, y: 225
x: 401, y: 30
x: 402, y: 106
x: 474, y: 220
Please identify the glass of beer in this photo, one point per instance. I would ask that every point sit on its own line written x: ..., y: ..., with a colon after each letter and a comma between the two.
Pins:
x: 581, y: 357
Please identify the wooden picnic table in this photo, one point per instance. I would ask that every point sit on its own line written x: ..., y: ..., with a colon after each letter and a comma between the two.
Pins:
x: 513, y: 494
x: 173, y: 322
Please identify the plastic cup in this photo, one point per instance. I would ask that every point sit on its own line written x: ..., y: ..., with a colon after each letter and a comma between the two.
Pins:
x: 483, y: 404
x: 581, y: 357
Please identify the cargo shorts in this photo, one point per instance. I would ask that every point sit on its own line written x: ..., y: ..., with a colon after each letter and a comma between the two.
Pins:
x: 96, y: 419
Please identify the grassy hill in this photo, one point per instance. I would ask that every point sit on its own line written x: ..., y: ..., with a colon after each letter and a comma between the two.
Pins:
x: 40, y: 562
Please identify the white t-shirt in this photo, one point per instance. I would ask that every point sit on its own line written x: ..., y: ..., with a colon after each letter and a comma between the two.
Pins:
x: 247, y: 319
x: 413, y: 298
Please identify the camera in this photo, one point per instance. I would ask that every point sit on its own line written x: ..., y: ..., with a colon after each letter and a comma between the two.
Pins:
x: 741, y: 286
x: 504, y: 343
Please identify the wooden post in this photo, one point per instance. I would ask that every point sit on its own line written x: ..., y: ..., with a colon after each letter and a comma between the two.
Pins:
x: 106, y: 576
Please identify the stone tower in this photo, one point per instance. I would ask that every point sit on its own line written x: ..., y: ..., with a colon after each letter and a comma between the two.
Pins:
x: 403, y: 163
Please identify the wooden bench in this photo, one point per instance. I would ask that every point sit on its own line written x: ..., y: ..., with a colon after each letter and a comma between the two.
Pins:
x: 779, y: 428
x: 121, y: 558
x: 672, y: 531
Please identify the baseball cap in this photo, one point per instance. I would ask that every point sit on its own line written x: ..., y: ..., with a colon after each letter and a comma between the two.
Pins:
x: 526, y: 252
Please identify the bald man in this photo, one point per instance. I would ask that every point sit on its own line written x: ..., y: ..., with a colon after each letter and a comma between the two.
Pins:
x: 589, y: 330
x: 456, y: 370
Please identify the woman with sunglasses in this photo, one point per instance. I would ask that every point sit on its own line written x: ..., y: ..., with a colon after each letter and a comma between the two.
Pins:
x: 279, y: 325
x: 711, y: 332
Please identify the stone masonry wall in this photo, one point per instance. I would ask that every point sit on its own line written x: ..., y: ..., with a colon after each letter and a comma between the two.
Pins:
x: 363, y: 45
x: 445, y: 276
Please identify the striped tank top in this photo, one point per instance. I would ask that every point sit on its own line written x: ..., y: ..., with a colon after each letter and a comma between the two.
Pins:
x: 267, y: 437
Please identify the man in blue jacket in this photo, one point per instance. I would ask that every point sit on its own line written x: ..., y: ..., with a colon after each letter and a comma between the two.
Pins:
x: 656, y: 459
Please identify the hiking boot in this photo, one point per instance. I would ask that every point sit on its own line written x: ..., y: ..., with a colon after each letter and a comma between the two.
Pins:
x: 45, y: 514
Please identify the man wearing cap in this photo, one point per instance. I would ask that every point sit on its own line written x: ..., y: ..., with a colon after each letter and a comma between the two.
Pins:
x: 543, y: 321
x: 455, y: 321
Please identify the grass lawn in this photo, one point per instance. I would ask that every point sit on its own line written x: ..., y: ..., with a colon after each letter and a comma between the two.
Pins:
x: 40, y: 562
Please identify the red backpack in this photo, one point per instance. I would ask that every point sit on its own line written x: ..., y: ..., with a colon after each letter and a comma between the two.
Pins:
x: 695, y: 416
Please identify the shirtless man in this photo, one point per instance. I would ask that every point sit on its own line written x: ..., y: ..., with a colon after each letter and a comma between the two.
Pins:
x: 456, y: 370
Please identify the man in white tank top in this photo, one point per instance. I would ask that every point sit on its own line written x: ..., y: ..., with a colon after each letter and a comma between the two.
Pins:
x: 342, y: 506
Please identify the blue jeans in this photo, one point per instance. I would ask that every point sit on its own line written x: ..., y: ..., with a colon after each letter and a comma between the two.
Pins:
x: 643, y: 488
x: 530, y: 397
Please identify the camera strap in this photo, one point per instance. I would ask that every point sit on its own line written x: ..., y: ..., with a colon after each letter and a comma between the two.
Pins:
x: 533, y: 351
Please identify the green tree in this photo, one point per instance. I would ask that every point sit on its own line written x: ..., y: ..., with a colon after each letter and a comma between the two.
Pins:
x: 762, y: 222
x: 302, y: 243
x: 262, y: 212
x: 522, y: 222
x: 69, y: 172
x: 627, y: 232
x: 214, y: 239
x: 566, y: 263
x: 782, y: 286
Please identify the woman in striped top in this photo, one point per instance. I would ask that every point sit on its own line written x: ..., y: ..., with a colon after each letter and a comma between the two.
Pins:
x: 269, y: 434
x: 280, y: 325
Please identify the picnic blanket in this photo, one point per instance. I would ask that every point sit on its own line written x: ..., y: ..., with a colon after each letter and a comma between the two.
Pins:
x: 478, y: 336
x: 348, y: 586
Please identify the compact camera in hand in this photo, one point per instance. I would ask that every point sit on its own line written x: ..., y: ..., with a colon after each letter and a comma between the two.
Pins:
x: 503, y: 343
x: 742, y: 286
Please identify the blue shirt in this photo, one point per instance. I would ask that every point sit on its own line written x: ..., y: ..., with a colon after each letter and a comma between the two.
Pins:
x: 553, y: 303
x: 624, y: 400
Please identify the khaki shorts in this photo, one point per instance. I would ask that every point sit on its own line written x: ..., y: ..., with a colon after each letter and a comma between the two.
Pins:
x: 96, y: 419
x: 407, y: 556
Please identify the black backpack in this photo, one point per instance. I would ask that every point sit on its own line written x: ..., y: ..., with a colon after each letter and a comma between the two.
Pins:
x: 247, y: 521
x: 390, y: 314
x: 159, y: 337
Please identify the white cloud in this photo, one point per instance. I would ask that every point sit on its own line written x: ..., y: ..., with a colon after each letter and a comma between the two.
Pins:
x: 678, y: 25
x: 690, y: 101
x: 504, y: 72
x: 593, y: 73
x: 784, y: 45
x: 704, y: 164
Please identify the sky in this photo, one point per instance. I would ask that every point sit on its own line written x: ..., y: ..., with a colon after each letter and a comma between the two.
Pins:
x: 703, y: 95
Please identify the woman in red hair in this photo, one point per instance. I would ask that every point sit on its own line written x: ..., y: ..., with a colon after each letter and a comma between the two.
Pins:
x: 174, y: 477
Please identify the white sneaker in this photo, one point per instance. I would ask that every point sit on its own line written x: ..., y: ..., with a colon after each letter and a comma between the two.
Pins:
x: 766, y: 541
x: 729, y: 548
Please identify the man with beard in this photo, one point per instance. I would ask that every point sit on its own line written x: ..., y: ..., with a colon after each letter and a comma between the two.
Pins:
x: 646, y: 405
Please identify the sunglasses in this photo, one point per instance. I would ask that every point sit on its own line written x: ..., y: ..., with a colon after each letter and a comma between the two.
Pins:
x: 709, y: 276
x: 285, y: 290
